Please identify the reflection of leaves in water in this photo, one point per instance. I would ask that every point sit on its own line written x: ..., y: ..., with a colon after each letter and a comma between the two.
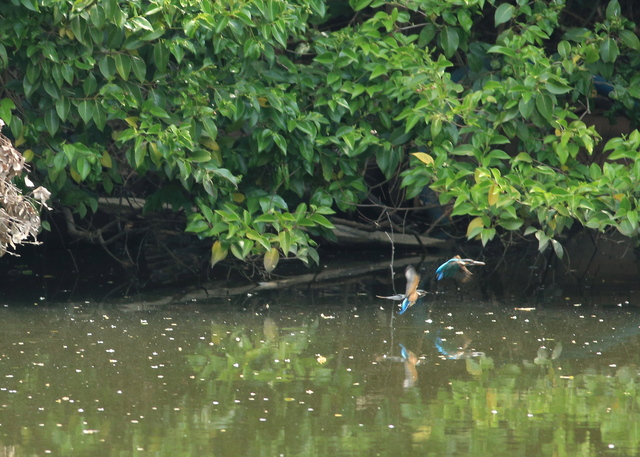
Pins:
x: 274, y: 356
x: 510, y: 395
x: 544, y: 357
x: 557, y: 350
x: 478, y: 365
x: 484, y: 406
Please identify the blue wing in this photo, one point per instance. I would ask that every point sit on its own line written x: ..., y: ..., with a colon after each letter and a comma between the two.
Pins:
x: 406, y: 304
x: 455, y: 267
x: 404, y: 352
x: 447, y: 269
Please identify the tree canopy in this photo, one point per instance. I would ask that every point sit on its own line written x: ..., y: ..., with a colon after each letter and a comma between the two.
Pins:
x: 259, y: 118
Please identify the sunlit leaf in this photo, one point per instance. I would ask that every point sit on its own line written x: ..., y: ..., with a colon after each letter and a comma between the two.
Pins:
x: 271, y: 259
x: 218, y: 253
x: 105, y: 160
x: 557, y: 247
x: 493, y: 195
x: 474, y: 227
x: 423, y: 157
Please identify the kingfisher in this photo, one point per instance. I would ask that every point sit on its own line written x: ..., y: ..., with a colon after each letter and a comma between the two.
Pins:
x: 455, y: 266
x: 412, y: 293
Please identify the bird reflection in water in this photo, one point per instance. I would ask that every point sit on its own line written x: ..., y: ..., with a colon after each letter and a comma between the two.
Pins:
x: 410, y: 372
x: 456, y: 348
x: 410, y: 360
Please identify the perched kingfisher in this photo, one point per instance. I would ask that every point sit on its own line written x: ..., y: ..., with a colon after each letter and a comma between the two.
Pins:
x: 456, y: 267
x: 452, y: 267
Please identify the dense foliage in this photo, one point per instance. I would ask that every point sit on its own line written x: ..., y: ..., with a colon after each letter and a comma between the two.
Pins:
x: 258, y: 118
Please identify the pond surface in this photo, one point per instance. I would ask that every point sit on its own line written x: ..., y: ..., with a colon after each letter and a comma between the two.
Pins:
x: 309, y: 373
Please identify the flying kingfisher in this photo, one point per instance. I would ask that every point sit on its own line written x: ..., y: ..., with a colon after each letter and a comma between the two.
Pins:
x: 412, y: 293
x: 452, y: 267
x: 456, y: 267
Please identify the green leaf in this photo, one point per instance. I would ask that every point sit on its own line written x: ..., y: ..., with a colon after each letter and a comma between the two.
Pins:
x: 85, y: 110
x: 358, y: 5
x: 502, y: 50
x: 6, y: 106
x: 90, y: 85
x: 504, y: 13
x: 557, y: 87
x: 449, y: 40
x: 626, y: 228
x: 543, y: 240
x: 140, y: 23
x: 99, y: 116
x: 123, y: 65
x: 464, y: 150
x: 83, y: 167
x: 609, y: 50
x: 139, y: 68
x: 436, y: 127
x: 557, y: 247
x: 226, y: 174
x: 326, y: 58
x: 159, y: 112
x: 160, y: 56
x: 426, y: 35
x: 377, y: 71
x: 510, y: 224
x: 280, y: 142
x: 97, y: 16
x: 67, y: 73
x: 210, y: 127
x: 465, y: 20
x: 49, y: 51
x: 284, y: 238
x: 563, y: 153
x: 140, y: 152
x: 526, y: 108
x: 564, y: 49
x: 630, y: 39
x: 31, y: 5
x: 200, y: 155
x: 613, y: 10
x: 51, y: 121
x: 544, y: 103
x: 321, y: 220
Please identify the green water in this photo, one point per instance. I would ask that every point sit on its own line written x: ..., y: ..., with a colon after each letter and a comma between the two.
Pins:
x: 313, y: 374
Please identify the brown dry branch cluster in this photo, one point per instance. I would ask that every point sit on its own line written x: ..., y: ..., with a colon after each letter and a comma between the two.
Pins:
x: 19, y: 214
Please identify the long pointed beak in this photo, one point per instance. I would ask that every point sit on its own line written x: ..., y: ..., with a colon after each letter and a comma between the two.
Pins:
x: 470, y: 262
